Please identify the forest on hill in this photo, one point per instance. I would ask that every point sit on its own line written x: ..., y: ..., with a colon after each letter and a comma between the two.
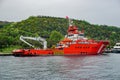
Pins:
x: 51, y: 28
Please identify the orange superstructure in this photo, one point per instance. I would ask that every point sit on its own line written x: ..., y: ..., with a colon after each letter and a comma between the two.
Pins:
x: 74, y: 43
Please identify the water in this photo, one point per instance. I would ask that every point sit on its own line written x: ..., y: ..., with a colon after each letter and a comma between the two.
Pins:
x: 100, y: 67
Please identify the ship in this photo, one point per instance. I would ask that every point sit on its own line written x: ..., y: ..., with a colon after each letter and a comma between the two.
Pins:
x: 74, y: 43
x: 116, y: 48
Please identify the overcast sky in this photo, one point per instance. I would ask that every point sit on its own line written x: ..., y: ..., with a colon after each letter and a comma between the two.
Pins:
x: 103, y: 12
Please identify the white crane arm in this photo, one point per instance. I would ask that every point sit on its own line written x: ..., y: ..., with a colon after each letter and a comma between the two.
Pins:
x: 40, y: 39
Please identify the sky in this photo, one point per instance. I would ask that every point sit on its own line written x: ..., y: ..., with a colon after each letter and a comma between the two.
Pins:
x: 102, y: 12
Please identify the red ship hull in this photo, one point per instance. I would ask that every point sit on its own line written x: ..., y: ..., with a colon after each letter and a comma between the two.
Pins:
x: 73, y: 49
x: 86, y: 49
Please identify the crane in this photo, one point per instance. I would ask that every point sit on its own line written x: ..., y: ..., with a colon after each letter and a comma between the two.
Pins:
x: 40, y: 39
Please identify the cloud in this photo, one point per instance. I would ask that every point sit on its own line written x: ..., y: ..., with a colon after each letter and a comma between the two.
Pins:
x: 95, y: 11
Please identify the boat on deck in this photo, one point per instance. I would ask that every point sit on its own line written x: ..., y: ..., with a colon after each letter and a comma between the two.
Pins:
x: 74, y: 43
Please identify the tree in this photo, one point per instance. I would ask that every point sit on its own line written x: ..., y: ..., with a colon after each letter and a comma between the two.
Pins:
x: 55, y: 37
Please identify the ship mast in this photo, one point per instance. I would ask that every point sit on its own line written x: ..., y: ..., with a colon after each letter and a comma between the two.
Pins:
x: 70, y: 22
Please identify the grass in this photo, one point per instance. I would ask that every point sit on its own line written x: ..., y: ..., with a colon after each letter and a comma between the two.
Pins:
x: 9, y: 50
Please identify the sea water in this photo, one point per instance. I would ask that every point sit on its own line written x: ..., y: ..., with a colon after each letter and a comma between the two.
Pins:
x: 99, y: 67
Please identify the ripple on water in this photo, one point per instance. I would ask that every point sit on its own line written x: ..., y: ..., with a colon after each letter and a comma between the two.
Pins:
x: 101, y: 67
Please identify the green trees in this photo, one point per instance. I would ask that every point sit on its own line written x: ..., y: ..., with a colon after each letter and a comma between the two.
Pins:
x: 55, y: 37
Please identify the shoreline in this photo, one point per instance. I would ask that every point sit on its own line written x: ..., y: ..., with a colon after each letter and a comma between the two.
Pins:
x: 5, y: 54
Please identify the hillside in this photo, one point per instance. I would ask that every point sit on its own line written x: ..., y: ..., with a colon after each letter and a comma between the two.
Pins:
x: 45, y: 25
x: 4, y: 23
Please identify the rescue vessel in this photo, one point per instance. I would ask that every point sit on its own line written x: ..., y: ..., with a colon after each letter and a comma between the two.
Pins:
x: 74, y: 43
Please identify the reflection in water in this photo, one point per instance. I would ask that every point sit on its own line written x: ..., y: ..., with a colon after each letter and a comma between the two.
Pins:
x: 101, y: 67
